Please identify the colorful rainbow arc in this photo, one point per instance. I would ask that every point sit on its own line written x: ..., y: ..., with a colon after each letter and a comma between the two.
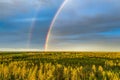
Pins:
x: 52, y: 24
x: 31, y: 28
x: 50, y: 28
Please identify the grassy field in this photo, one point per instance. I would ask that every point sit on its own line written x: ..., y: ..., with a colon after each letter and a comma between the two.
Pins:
x: 59, y: 66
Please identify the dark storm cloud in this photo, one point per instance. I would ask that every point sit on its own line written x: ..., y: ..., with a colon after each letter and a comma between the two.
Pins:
x: 96, y: 24
x: 88, y: 18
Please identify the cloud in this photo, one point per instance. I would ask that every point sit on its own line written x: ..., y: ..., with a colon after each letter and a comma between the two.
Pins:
x: 17, y: 18
x: 87, y: 22
x: 11, y: 8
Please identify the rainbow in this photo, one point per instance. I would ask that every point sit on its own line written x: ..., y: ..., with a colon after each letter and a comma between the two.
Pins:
x: 52, y: 24
x: 32, y: 28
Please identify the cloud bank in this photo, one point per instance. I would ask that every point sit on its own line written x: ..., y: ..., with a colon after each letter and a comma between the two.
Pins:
x: 17, y: 17
x: 88, y: 26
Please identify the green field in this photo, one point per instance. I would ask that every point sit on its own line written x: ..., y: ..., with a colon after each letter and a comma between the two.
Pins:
x: 59, y: 66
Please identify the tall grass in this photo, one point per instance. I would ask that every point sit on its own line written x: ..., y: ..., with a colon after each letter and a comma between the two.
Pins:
x: 51, y: 66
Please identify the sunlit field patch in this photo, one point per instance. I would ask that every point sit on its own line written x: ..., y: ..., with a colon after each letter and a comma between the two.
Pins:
x: 60, y: 66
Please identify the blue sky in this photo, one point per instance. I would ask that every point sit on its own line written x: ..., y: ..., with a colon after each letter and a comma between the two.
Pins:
x: 82, y: 25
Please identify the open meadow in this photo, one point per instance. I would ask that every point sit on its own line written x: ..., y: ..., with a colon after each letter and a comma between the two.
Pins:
x: 59, y: 66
